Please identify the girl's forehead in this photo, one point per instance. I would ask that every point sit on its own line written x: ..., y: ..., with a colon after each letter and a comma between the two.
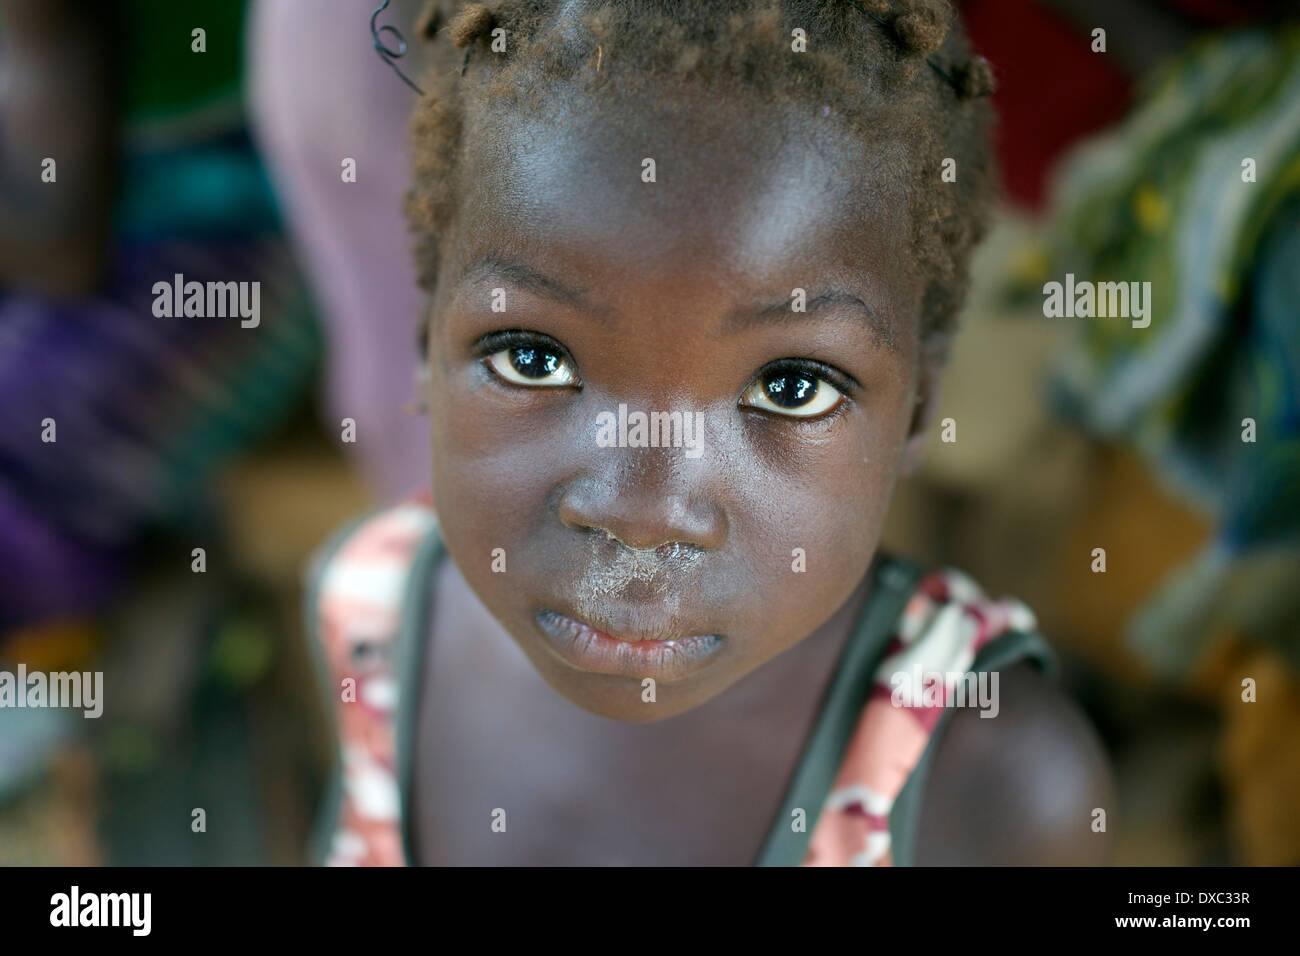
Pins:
x: 757, y: 190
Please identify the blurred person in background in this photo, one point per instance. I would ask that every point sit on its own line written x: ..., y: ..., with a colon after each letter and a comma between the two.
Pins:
x: 334, y: 141
x: 124, y: 161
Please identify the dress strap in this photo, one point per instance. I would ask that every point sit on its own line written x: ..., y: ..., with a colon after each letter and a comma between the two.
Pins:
x: 949, y: 639
x: 893, y: 582
x: 358, y: 588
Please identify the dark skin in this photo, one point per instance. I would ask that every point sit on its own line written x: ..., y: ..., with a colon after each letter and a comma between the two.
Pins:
x: 676, y: 295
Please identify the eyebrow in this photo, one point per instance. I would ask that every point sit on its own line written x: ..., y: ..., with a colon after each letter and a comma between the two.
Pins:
x: 538, y: 283
x: 531, y: 280
x: 882, y: 330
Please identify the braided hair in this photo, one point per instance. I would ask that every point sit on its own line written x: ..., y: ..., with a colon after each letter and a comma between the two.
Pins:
x: 901, y: 66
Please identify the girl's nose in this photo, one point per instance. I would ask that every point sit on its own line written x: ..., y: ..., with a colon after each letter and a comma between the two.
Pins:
x: 642, y: 505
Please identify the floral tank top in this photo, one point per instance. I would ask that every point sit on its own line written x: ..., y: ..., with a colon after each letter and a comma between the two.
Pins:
x: 855, y: 794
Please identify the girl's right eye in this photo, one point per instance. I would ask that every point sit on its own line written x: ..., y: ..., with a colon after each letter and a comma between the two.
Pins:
x: 537, y: 366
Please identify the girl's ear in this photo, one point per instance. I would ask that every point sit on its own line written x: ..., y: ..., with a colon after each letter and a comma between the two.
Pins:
x: 923, y: 412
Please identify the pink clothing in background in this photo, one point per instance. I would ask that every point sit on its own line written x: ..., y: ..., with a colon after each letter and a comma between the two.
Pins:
x: 319, y: 94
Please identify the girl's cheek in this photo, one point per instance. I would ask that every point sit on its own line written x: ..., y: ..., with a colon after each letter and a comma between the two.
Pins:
x: 491, y: 475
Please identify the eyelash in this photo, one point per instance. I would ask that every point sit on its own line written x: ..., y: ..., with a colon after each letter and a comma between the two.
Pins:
x: 820, y: 372
x: 495, y: 343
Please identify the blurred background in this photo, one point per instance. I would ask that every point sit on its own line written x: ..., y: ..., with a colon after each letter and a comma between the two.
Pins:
x: 225, y: 163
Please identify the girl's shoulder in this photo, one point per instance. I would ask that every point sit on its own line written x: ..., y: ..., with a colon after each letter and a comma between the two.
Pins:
x: 965, y: 749
x: 931, y: 644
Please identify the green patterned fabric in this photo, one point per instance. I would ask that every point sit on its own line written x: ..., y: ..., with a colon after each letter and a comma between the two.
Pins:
x: 1198, y: 192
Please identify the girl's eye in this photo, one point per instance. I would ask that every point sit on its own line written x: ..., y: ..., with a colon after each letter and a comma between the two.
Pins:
x: 535, y: 365
x: 791, y: 392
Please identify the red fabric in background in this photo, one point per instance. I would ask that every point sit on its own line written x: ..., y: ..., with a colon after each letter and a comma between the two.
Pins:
x: 1052, y: 89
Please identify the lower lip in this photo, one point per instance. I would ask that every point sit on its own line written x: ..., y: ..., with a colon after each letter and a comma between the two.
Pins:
x: 588, y: 649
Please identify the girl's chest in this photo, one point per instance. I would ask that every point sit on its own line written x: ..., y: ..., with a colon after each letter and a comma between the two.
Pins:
x: 506, y: 771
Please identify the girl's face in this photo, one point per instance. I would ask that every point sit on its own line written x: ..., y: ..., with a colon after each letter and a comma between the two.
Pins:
x: 578, y: 293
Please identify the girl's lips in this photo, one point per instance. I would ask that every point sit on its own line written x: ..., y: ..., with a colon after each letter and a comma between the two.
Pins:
x: 586, y: 648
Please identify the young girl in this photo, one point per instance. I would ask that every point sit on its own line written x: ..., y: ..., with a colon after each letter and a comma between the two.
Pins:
x: 693, y: 271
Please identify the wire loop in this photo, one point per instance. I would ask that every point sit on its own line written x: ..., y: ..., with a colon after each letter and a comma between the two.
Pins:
x: 389, y: 54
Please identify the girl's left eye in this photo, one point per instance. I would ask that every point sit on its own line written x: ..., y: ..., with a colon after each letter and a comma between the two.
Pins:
x: 797, y: 393
x: 533, y: 365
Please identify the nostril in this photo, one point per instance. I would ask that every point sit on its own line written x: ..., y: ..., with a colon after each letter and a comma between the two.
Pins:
x: 665, y: 550
x: 622, y: 540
